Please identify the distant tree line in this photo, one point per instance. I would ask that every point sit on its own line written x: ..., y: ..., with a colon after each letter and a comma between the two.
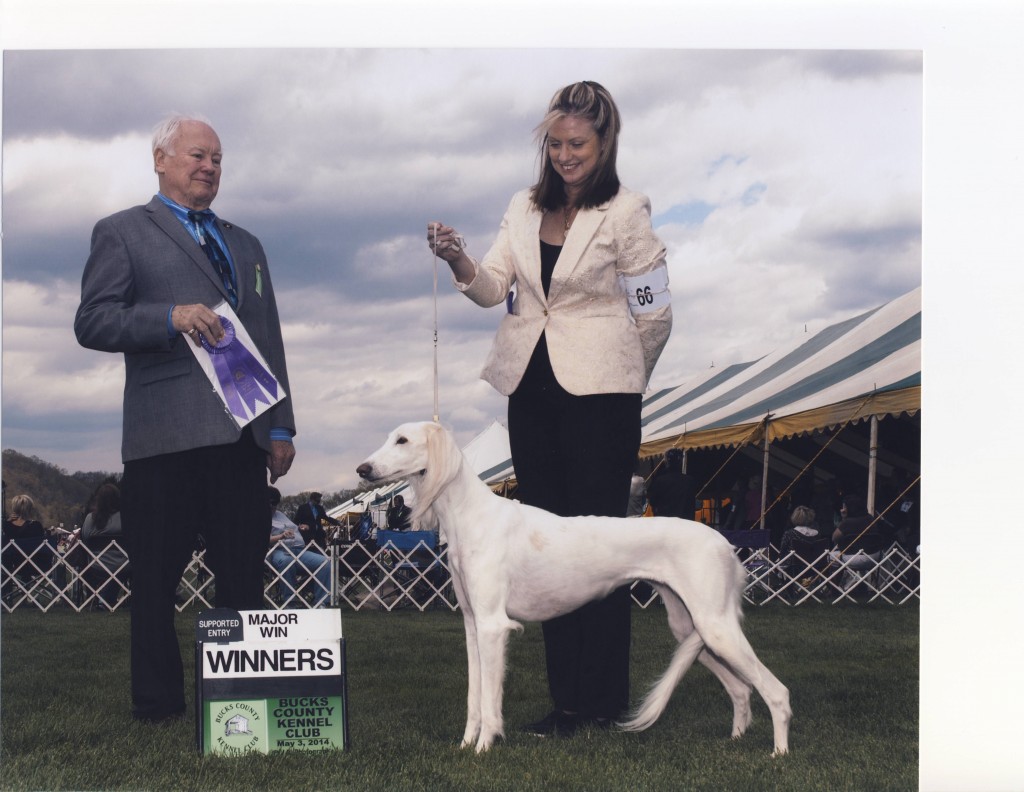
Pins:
x: 63, y: 497
x: 59, y: 496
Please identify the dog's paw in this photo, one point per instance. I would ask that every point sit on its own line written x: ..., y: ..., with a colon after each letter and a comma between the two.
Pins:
x: 470, y: 736
x: 486, y: 743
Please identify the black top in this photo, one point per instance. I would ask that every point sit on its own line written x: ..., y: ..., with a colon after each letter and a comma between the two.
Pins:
x: 538, y: 374
x: 30, y: 529
x: 548, y: 258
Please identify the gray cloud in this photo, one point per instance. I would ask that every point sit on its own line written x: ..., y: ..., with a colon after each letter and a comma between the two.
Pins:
x: 786, y: 186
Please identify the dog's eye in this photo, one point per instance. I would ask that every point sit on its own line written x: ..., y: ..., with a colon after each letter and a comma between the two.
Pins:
x: 401, y: 441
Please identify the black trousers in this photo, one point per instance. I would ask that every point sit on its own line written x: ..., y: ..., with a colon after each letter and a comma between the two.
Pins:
x: 575, y: 455
x: 167, y: 501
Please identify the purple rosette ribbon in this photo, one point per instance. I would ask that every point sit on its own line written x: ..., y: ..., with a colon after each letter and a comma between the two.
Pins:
x: 239, y: 373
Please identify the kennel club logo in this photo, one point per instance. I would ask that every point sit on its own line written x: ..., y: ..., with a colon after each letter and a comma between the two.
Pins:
x: 239, y: 727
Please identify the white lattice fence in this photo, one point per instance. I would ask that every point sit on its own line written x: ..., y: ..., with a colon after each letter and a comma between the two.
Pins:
x: 37, y: 575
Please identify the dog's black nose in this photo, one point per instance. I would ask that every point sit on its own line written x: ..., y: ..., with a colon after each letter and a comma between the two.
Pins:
x: 364, y: 470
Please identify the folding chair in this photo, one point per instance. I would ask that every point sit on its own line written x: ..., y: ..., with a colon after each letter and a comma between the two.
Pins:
x: 800, y: 571
x: 414, y: 562
x: 359, y: 570
x: 860, y: 563
x: 27, y: 565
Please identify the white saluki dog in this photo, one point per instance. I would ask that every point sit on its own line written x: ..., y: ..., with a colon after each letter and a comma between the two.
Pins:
x: 510, y: 561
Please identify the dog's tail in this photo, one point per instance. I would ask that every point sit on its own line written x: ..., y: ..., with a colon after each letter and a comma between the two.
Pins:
x: 687, y: 650
x: 657, y: 698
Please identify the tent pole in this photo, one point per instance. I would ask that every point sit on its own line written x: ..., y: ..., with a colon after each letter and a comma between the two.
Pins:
x: 872, y: 464
x: 764, y: 472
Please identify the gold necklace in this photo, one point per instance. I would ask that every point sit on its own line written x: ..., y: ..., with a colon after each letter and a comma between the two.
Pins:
x: 569, y: 217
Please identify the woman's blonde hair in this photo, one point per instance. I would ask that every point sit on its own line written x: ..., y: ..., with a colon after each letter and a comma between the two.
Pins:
x: 802, y: 515
x: 22, y: 506
x: 591, y: 102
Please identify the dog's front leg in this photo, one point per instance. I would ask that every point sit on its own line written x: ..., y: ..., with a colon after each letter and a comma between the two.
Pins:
x: 492, y: 640
x: 473, y: 666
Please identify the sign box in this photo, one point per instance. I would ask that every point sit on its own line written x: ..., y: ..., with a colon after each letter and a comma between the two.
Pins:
x: 270, y: 680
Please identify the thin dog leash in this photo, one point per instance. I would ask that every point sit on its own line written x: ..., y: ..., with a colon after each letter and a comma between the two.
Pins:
x: 437, y: 411
x: 461, y: 243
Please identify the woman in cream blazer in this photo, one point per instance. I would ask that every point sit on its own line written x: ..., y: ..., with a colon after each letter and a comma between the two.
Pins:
x: 588, y: 313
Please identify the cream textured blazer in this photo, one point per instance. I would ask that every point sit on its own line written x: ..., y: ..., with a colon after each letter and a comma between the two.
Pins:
x: 596, y: 344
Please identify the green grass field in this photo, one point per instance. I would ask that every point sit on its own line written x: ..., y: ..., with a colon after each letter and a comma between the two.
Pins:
x: 852, y: 674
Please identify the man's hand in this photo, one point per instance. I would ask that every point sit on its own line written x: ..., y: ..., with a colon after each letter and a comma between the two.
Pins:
x: 196, y: 320
x: 279, y: 460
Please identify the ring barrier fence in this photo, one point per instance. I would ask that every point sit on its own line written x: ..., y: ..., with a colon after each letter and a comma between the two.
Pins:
x: 388, y: 578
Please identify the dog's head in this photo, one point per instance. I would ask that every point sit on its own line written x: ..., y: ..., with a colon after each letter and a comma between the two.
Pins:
x: 403, y: 455
x: 425, y: 454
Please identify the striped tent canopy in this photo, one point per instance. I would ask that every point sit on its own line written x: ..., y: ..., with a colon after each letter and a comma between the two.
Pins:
x: 488, y: 454
x: 866, y: 366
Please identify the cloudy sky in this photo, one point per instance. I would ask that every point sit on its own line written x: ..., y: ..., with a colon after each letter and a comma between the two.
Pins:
x: 780, y: 143
x: 786, y: 185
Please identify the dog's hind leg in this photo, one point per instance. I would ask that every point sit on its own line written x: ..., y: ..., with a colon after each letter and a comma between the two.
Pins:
x: 725, y: 639
x: 738, y: 690
x: 681, y: 624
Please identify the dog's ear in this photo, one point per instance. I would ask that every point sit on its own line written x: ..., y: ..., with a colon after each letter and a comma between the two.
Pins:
x: 443, y: 462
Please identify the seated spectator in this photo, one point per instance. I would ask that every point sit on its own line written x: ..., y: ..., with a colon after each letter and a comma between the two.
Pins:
x: 804, y: 528
x: 22, y: 538
x: 857, y: 532
x: 399, y: 515
x: 858, y: 540
x: 288, y: 554
x: 21, y: 525
x: 806, y: 539
x: 102, y: 536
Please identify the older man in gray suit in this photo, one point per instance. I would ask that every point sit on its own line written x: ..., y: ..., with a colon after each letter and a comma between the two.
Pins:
x: 154, y: 274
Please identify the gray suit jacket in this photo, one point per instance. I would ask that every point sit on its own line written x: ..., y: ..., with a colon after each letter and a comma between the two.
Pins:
x: 595, y: 344
x: 141, y: 262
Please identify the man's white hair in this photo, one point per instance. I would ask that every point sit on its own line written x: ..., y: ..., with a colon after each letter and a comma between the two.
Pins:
x: 165, y: 132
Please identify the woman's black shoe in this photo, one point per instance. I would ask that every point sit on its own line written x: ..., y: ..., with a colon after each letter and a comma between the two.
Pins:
x: 555, y: 723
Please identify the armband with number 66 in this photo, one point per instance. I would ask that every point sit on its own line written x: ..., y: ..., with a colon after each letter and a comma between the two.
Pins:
x: 647, y: 292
